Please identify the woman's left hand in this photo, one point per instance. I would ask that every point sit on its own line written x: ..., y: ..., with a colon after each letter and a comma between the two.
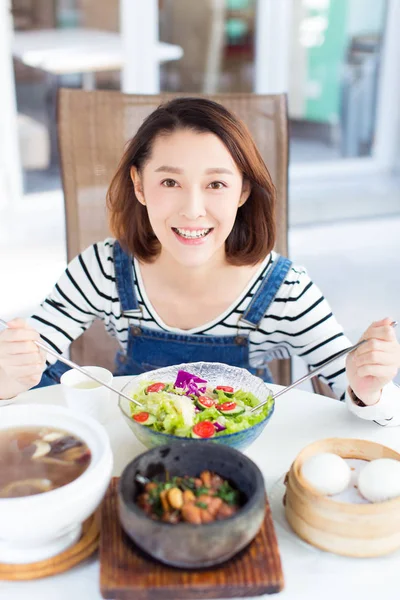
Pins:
x: 375, y: 363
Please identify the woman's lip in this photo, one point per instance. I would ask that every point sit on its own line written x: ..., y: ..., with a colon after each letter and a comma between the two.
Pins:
x: 191, y: 241
x: 191, y: 228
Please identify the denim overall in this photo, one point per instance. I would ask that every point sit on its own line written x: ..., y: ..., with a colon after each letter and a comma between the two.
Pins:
x: 151, y: 349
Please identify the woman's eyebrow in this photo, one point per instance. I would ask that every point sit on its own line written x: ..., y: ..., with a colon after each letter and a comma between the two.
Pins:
x: 219, y: 171
x: 168, y: 169
x: 177, y: 171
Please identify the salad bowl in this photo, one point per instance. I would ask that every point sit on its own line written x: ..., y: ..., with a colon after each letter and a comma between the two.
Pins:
x: 215, y: 375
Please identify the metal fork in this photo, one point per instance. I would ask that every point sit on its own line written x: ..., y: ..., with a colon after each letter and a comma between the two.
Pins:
x: 314, y: 372
x: 82, y: 370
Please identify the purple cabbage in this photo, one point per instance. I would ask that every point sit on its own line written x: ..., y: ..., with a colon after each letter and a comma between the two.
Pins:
x: 190, y: 383
x: 219, y: 427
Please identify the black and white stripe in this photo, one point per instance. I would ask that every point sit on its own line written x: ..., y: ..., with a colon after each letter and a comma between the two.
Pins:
x: 298, y: 322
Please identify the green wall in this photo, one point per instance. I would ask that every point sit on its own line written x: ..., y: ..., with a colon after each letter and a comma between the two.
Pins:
x: 325, y: 63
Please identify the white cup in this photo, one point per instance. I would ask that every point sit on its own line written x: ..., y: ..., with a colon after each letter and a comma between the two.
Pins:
x: 94, y: 400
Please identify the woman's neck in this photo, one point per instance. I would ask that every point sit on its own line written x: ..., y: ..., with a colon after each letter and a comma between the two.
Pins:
x: 187, y: 297
x: 189, y: 279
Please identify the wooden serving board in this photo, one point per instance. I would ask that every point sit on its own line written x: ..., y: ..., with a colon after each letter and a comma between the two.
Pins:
x: 81, y: 550
x: 126, y: 572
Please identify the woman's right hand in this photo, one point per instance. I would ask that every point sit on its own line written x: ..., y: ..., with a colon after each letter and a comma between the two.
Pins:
x: 21, y: 361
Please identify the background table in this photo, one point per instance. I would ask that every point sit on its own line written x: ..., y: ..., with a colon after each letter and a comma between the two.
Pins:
x: 300, y: 418
x: 80, y: 50
x: 59, y: 52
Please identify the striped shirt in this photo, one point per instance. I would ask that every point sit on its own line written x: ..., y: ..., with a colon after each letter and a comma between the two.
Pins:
x: 298, y: 322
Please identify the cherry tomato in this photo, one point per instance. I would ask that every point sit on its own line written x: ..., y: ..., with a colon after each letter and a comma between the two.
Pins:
x: 225, y: 388
x: 206, y: 401
x: 205, y: 429
x: 141, y: 417
x: 155, y: 387
x: 226, y: 406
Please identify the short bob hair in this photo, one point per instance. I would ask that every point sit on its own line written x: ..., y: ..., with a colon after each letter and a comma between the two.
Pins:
x: 253, y: 234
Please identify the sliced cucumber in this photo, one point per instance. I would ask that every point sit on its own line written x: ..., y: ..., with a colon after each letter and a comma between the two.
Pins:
x: 204, y: 402
x: 231, y: 412
x: 198, y: 437
x: 149, y: 420
x: 227, y: 394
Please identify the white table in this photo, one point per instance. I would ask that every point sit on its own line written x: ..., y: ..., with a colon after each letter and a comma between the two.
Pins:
x: 310, y: 574
x: 81, y: 50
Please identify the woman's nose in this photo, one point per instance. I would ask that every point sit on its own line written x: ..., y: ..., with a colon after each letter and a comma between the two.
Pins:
x: 193, y: 205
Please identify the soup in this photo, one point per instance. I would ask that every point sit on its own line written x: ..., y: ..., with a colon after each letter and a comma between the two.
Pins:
x: 34, y: 460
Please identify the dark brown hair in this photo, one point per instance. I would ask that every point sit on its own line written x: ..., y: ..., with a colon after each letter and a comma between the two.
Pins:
x: 253, y: 233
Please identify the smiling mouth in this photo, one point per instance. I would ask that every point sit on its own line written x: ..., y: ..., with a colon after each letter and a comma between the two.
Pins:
x: 192, y: 234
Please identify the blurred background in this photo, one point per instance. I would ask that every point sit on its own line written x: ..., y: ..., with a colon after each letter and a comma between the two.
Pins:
x: 336, y: 59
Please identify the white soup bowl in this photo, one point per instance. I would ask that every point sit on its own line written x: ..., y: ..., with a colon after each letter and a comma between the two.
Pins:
x: 33, y: 528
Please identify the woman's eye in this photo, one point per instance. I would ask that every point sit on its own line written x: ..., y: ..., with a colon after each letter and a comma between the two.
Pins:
x: 169, y: 183
x: 217, y: 185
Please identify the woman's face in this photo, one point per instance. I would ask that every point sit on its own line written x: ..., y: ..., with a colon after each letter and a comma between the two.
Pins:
x: 192, y: 189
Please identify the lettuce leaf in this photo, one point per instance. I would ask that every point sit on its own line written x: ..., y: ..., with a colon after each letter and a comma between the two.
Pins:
x: 174, y: 415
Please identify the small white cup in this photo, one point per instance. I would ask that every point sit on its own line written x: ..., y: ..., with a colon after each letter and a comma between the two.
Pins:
x: 94, y: 401
x: 7, y: 402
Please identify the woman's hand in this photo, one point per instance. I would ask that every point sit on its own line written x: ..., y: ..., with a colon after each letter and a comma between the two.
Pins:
x: 375, y: 363
x: 21, y: 361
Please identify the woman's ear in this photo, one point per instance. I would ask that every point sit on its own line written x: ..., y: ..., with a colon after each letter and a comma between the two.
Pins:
x: 246, y: 190
x: 137, y: 184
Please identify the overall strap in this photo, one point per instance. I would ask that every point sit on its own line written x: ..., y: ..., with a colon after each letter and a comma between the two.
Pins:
x: 266, y: 293
x: 124, y: 279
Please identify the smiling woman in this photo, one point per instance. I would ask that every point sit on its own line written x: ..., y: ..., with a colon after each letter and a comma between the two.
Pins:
x: 191, y: 274
x: 204, y: 158
x: 186, y: 204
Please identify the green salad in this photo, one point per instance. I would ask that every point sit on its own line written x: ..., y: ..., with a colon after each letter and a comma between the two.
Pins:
x: 189, y: 407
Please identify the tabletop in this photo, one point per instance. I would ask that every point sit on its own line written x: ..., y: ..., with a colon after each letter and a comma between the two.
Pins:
x: 62, y: 51
x: 299, y: 419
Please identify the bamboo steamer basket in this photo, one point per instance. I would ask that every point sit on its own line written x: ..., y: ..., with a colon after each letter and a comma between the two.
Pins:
x: 360, y: 530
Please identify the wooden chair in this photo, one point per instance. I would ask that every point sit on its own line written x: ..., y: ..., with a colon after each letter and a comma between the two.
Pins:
x: 93, y: 130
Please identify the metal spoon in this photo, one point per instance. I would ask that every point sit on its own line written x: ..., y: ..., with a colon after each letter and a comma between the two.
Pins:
x: 80, y: 369
x: 316, y: 371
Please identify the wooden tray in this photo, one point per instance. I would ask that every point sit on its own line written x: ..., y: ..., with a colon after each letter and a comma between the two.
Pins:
x: 82, y: 549
x: 126, y: 572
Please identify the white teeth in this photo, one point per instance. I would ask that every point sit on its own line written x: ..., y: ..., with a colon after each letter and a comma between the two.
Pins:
x: 192, y: 233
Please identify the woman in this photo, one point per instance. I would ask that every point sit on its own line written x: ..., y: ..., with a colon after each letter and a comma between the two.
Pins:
x: 191, y: 275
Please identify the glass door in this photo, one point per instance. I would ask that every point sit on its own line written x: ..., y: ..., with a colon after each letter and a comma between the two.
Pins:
x: 335, y: 60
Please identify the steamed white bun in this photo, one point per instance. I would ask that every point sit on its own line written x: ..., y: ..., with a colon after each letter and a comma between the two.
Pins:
x: 380, y: 480
x: 328, y: 473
